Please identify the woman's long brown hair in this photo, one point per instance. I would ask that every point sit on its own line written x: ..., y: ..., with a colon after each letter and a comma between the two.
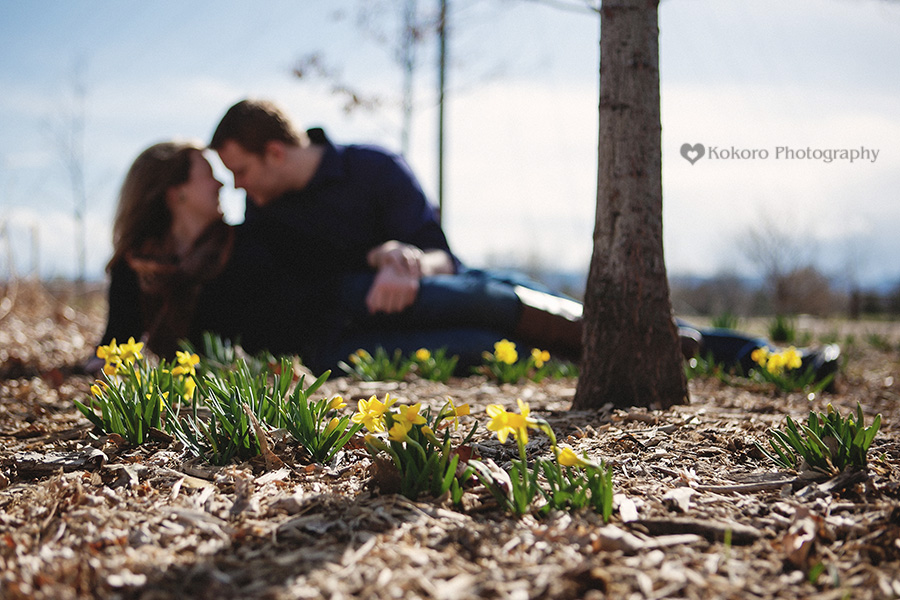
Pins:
x: 142, y: 213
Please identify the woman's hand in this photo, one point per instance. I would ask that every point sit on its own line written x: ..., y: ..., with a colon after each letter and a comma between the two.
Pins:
x: 399, y: 268
x: 393, y: 290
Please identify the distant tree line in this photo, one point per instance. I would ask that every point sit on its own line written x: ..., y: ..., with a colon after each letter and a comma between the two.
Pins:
x: 803, y: 291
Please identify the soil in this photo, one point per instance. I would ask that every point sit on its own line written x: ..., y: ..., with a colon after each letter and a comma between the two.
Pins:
x: 700, y: 512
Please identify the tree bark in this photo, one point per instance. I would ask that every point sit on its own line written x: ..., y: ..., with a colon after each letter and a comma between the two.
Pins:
x: 632, y: 353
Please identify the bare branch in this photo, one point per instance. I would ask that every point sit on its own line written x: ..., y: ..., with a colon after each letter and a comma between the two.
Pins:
x: 312, y: 66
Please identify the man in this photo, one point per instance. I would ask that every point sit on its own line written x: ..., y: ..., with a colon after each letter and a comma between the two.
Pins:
x: 347, y: 208
x: 356, y: 215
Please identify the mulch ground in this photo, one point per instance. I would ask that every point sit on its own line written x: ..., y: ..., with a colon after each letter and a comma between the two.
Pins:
x: 699, y: 511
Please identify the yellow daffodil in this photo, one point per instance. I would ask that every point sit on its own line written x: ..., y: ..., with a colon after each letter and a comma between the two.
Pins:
x: 184, y: 370
x: 540, y: 357
x: 337, y: 403
x: 96, y: 391
x: 792, y: 359
x: 186, y: 363
x: 778, y: 362
x: 505, y: 352
x: 775, y: 364
x: 371, y: 412
x: 759, y: 356
x: 131, y: 351
x: 360, y: 356
x: 505, y: 423
x: 399, y: 431
x: 111, y: 367
x: 110, y: 350
x: 454, y: 412
x: 189, y: 386
x: 368, y: 418
x: 567, y: 458
x: 332, y: 425
x: 112, y: 356
x: 409, y: 416
x: 423, y: 354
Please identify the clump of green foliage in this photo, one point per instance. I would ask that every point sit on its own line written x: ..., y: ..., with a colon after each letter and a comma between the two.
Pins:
x: 827, y: 443
x: 219, y: 408
x: 783, y: 330
x: 726, y: 320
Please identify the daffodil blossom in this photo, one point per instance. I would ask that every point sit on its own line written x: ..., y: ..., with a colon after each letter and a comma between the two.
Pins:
x: 184, y: 371
x: 505, y: 352
x: 409, y: 416
x: 371, y: 412
x: 186, y: 363
x: 332, y: 425
x: 777, y: 363
x: 423, y: 354
x: 109, y: 351
x: 505, y: 423
x: 792, y: 359
x: 112, y: 357
x: 454, y: 412
x: 567, y: 458
x: 131, y: 351
x: 399, y: 431
x: 540, y: 357
x: 360, y: 356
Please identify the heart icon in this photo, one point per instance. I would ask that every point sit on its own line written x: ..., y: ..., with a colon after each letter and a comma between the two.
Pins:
x: 692, y: 153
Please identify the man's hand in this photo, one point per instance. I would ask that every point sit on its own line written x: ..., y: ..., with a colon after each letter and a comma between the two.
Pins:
x: 392, y: 291
x: 405, y: 258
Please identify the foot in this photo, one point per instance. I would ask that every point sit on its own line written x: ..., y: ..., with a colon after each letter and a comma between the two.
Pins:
x: 690, y: 342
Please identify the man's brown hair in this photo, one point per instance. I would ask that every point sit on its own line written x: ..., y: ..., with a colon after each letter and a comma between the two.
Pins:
x: 252, y: 124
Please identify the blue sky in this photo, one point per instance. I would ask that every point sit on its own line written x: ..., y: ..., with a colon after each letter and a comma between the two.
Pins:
x: 521, y: 118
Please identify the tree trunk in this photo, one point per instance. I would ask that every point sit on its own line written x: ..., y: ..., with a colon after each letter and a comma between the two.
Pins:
x: 632, y: 353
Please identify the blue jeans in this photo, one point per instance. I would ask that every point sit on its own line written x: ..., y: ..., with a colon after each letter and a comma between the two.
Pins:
x: 466, y: 314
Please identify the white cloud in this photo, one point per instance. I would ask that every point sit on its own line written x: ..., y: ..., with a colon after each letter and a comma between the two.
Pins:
x: 710, y: 205
x: 522, y: 166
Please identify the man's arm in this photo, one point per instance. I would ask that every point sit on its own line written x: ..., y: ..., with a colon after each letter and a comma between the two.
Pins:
x: 407, y: 257
x: 399, y: 267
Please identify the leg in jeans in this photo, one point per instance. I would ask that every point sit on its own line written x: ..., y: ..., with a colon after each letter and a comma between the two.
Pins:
x: 515, y: 306
x: 470, y: 299
x: 726, y: 346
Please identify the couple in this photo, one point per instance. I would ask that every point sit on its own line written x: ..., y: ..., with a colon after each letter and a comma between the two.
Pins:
x: 339, y: 250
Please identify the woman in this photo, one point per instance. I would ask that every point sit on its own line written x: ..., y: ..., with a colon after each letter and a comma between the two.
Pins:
x: 178, y: 269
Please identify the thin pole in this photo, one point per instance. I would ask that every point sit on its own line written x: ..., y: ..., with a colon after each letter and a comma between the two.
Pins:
x: 442, y: 69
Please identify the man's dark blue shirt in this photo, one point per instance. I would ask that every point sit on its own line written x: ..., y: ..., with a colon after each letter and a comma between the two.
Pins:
x: 360, y: 197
